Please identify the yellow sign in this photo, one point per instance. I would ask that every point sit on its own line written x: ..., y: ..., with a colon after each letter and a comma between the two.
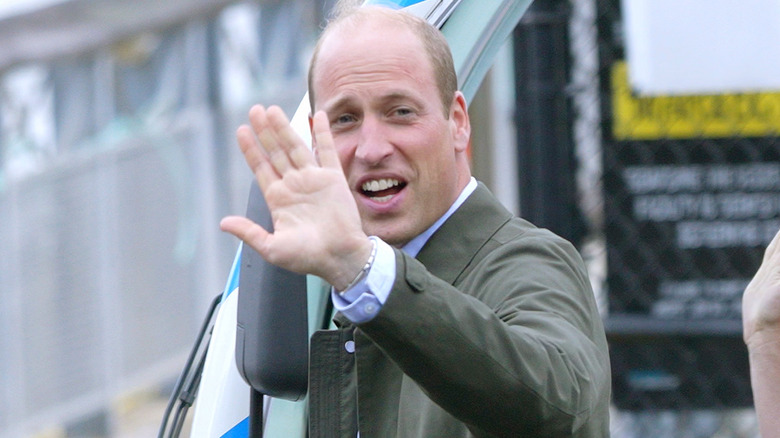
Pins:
x: 680, y: 117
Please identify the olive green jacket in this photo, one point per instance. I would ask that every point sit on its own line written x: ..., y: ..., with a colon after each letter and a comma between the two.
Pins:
x: 491, y: 331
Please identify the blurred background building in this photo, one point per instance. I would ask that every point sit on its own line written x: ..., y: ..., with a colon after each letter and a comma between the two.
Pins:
x: 117, y: 160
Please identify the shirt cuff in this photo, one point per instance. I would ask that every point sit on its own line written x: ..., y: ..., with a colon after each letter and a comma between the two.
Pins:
x: 362, y: 302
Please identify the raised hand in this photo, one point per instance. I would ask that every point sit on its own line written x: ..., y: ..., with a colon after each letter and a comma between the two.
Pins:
x: 317, y: 227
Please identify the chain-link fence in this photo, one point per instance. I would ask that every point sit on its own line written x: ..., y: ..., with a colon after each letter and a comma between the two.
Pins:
x: 681, y: 194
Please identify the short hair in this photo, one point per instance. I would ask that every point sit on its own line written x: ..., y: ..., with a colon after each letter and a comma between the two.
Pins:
x: 343, y: 7
x: 433, y: 41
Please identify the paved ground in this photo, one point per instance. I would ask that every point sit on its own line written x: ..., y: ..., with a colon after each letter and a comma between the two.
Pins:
x: 142, y: 418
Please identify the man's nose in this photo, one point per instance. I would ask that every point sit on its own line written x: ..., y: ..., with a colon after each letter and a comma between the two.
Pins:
x: 373, y: 143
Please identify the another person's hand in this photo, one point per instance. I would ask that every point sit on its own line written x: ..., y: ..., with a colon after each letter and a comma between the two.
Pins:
x: 761, y: 301
x: 761, y: 331
x: 317, y: 227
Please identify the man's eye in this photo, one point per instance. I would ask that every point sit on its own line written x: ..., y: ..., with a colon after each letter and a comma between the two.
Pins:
x: 345, y: 119
x: 403, y: 111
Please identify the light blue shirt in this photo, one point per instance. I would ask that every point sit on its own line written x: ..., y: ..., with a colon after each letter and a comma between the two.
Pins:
x: 363, y: 301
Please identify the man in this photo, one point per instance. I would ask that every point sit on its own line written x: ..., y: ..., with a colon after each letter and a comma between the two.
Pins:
x: 456, y: 319
x: 761, y: 331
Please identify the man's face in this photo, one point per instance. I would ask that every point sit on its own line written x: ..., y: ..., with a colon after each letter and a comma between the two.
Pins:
x: 403, y: 158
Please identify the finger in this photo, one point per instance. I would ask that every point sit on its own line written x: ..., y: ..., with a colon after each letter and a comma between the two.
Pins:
x: 258, y: 117
x: 299, y: 155
x: 255, y: 157
x: 249, y: 232
x: 323, y: 138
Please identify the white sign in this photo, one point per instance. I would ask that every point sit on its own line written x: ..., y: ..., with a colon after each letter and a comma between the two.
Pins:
x: 684, y: 47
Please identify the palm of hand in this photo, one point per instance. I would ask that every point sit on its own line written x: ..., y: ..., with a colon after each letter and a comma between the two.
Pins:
x: 317, y: 227
x: 311, y: 209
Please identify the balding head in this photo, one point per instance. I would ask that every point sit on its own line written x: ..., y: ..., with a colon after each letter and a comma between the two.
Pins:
x: 352, y: 19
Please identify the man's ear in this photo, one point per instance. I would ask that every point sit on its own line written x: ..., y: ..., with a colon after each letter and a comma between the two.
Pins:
x: 460, y: 122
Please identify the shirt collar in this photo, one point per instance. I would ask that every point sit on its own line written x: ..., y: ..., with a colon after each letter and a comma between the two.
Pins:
x: 415, y: 245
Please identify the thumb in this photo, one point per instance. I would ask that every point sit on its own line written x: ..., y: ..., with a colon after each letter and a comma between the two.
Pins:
x: 248, y: 231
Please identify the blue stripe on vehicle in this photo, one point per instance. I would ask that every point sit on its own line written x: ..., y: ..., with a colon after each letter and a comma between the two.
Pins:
x: 240, y: 430
x: 235, y: 272
x: 394, y: 3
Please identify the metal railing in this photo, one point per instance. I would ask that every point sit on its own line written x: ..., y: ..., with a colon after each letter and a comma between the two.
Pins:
x: 116, y: 163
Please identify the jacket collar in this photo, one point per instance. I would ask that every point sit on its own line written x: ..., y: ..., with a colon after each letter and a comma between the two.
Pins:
x: 453, y: 246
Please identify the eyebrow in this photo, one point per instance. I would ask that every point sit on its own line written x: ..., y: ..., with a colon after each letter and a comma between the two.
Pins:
x: 342, y: 101
x: 400, y: 95
x: 347, y: 99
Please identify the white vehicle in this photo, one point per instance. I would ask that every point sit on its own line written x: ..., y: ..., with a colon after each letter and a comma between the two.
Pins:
x: 227, y: 405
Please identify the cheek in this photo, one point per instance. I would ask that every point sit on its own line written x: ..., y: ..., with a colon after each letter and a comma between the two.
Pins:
x: 439, y: 164
x: 344, y: 152
x: 435, y: 153
x: 343, y: 157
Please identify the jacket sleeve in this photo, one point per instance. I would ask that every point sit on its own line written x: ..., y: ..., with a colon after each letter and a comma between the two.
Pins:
x: 515, y: 347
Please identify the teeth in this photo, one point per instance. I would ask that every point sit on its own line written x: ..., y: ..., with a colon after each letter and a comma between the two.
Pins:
x: 378, y: 185
x: 383, y: 198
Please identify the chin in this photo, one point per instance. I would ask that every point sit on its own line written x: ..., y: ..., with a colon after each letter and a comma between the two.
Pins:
x: 389, y: 237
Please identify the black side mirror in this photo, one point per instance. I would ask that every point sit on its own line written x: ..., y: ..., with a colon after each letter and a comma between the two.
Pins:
x: 272, y: 336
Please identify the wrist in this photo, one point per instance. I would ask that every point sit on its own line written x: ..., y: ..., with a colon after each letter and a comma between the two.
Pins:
x: 355, y: 267
x: 764, y: 340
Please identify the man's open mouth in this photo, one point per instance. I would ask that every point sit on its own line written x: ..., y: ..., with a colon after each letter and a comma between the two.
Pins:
x: 382, y: 190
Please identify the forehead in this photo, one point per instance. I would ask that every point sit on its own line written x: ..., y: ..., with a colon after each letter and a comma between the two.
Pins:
x: 375, y: 22
x: 370, y: 51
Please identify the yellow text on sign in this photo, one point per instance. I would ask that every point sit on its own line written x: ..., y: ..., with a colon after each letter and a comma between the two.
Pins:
x: 681, y: 117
